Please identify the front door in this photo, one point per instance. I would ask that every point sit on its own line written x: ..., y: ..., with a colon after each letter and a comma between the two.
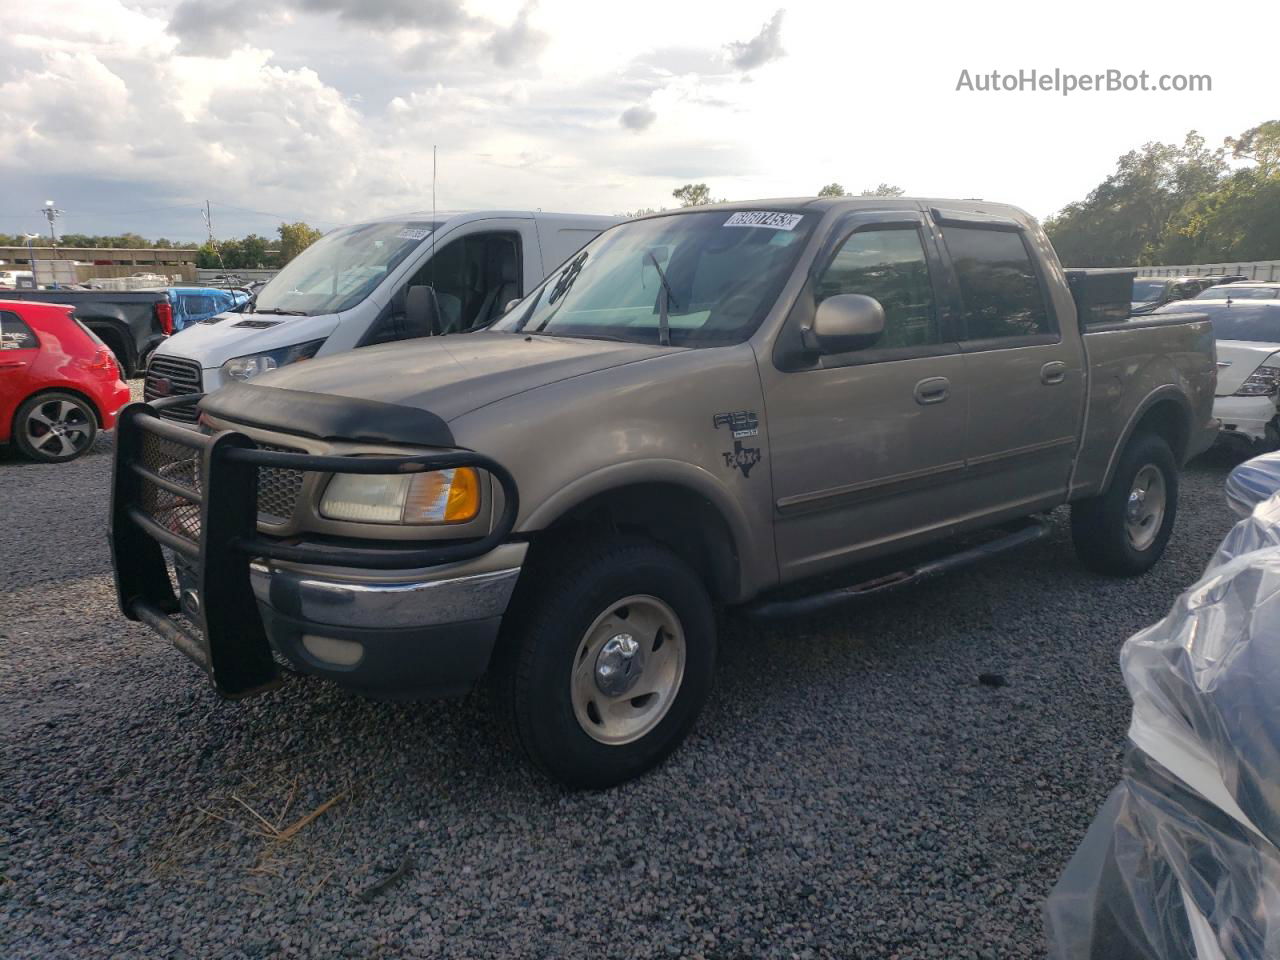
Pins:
x: 865, y: 445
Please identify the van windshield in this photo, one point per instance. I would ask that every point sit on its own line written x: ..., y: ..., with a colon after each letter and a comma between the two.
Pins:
x: 724, y: 269
x: 341, y: 268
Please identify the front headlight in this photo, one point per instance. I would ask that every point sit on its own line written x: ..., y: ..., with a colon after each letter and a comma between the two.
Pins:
x: 441, y: 496
x: 246, y: 368
x: 1261, y: 383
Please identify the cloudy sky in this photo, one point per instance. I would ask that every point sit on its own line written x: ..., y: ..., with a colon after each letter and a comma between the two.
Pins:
x: 131, y: 114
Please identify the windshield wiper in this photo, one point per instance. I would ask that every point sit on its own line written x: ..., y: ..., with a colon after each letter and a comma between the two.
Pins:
x: 664, y: 301
x: 283, y: 313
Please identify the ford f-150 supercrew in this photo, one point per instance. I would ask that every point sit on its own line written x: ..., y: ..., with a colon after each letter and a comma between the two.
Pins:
x: 724, y: 406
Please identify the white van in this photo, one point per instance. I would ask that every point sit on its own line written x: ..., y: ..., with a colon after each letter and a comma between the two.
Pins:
x: 351, y: 288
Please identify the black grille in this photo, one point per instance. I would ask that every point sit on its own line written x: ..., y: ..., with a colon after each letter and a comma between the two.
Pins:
x: 174, y: 377
x: 178, y: 464
x: 278, y: 488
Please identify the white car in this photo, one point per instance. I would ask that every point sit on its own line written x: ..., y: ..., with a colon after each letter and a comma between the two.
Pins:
x: 351, y: 289
x: 1247, y: 332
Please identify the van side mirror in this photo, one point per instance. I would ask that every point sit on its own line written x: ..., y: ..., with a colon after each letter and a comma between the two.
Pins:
x: 846, y: 321
x: 421, y: 312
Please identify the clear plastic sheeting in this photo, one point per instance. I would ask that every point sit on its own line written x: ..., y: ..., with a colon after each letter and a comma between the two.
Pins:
x: 1252, y: 482
x: 1183, y: 860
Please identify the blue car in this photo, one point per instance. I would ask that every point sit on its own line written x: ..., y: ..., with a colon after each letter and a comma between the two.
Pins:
x: 195, y: 304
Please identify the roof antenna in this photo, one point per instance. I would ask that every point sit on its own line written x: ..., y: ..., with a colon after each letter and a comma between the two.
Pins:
x: 435, y: 301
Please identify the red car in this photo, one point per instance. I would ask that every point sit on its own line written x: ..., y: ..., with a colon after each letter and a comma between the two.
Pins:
x: 59, y: 384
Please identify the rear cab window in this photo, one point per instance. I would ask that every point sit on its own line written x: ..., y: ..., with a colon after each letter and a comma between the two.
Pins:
x: 15, y: 334
x: 1002, y: 296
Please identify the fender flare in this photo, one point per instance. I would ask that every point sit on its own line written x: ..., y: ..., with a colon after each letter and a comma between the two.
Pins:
x: 635, y: 472
x: 1161, y: 393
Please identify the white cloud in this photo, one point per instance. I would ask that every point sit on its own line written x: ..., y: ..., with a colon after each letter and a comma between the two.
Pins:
x: 329, y: 108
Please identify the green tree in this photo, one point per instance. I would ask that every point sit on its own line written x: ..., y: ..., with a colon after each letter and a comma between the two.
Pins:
x: 883, y: 190
x: 833, y: 190
x: 294, y: 238
x: 1261, y: 144
x: 692, y: 194
x: 1126, y: 219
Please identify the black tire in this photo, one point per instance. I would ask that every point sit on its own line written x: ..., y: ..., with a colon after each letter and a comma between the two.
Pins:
x: 1100, y: 527
x: 563, y: 596
x: 55, y: 427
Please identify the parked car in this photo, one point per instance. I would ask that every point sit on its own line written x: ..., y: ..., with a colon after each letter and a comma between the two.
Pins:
x: 1248, y: 290
x: 204, y: 304
x: 1247, y: 332
x: 700, y: 408
x: 59, y: 384
x: 349, y: 290
x: 1150, y: 293
x: 13, y: 279
x: 132, y: 323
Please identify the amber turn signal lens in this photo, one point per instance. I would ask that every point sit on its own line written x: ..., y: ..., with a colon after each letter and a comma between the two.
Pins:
x: 443, y: 496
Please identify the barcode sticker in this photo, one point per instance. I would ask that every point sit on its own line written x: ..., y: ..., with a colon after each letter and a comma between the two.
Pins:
x: 412, y: 233
x: 764, y: 218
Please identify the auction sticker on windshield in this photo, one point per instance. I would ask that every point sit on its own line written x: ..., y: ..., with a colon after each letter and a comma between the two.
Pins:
x: 412, y: 233
x: 765, y: 218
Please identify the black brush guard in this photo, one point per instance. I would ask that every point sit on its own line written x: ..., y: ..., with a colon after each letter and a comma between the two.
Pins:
x: 210, y: 523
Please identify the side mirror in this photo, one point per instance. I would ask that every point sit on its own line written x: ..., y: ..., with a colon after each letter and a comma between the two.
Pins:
x: 421, y: 312
x: 846, y: 321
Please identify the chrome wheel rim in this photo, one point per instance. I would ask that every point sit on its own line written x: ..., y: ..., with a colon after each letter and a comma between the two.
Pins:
x: 1144, y: 511
x: 58, y: 428
x: 627, y: 670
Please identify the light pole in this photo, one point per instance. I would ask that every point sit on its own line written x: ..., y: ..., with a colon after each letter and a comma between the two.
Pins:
x: 51, y: 213
x: 31, y: 256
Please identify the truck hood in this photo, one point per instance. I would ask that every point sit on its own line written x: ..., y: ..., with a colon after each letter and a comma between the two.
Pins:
x: 1241, y: 358
x: 453, y: 375
x: 241, y: 334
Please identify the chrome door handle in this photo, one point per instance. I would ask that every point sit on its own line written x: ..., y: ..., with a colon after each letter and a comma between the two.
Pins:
x: 1055, y: 371
x: 932, y: 390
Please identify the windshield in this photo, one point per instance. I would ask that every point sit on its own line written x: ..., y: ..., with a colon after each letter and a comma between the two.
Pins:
x: 1145, y: 291
x: 724, y: 269
x: 1258, y: 324
x: 341, y: 268
x: 1231, y: 291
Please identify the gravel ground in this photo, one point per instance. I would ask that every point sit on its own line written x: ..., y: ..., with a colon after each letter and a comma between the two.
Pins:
x: 851, y: 790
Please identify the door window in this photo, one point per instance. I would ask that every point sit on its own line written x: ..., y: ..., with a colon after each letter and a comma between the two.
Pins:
x: 890, y: 266
x: 475, y: 277
x: 998, y: 284
x: 15, y: 334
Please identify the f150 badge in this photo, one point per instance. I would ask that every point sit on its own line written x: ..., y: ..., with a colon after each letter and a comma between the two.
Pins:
x: 742, y: 424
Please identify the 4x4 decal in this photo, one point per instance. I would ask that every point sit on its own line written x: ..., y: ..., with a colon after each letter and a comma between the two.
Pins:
x: 742, y: 424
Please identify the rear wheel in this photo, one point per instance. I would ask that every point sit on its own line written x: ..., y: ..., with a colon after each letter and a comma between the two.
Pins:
x: 608, y: 662
x: 1124, y: 531
x: 55, y: 427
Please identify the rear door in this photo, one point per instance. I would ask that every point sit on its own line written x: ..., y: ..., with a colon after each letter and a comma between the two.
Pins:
x: 865, y: 445
x: 1025, y: 373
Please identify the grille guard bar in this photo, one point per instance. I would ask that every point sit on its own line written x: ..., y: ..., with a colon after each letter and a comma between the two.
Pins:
x: 229, y: 641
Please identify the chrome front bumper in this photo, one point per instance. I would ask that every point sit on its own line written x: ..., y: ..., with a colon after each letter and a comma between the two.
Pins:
x: 394, y: 634
x: 428, y: 603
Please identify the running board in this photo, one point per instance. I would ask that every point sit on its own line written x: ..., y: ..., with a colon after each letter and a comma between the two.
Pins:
x: 1036, y: 529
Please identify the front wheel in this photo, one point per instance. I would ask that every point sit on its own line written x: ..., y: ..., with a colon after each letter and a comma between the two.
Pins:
x: 55, y: 427
x: 1123, y: 532
x: 608, y: 661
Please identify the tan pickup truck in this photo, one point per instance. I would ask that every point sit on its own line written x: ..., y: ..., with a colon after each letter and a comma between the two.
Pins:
x: 725, y: 406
